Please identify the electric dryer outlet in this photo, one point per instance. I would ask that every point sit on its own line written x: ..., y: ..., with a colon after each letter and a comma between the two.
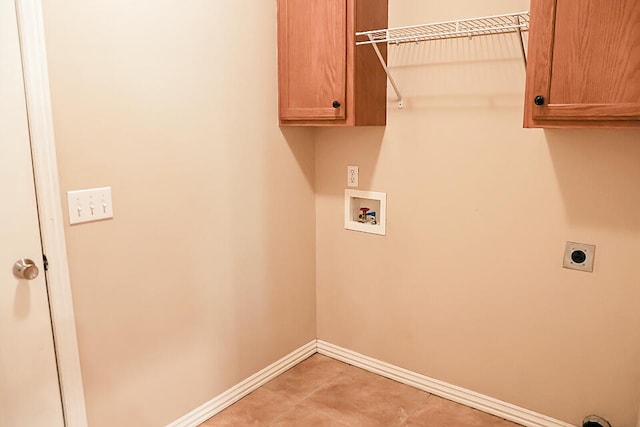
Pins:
x: 579, y: 256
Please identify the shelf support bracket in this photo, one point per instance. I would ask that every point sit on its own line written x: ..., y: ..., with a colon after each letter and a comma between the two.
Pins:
x: 524, y: 52
x: 386, y: 70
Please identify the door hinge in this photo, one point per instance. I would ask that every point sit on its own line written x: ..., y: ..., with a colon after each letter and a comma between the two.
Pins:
x: 45, y: 262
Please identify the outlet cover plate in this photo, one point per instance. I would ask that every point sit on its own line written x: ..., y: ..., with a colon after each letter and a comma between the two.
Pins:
x: 352, y: 176
x: 579, y: 256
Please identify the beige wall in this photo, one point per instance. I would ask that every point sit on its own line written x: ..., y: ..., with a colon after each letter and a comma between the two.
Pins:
x: 206, y: 273
x: 467, y: 286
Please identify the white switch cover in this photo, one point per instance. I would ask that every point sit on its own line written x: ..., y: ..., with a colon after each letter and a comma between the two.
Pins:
x: 89, y: 205
x: 352, y: 176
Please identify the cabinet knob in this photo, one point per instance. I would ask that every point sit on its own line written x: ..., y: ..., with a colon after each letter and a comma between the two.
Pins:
x: 539, y: 100
x: 336, y: 104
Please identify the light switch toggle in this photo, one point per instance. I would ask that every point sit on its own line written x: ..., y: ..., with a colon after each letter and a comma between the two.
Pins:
x: 84, y: 205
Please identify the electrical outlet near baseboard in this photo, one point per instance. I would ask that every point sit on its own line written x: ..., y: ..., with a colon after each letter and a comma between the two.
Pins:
x: 579, y: 256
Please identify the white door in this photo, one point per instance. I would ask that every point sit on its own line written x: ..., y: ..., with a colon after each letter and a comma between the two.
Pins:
x: 29, y: 388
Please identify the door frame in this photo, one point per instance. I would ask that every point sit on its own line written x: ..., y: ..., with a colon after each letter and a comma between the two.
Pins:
x: 45, y: 170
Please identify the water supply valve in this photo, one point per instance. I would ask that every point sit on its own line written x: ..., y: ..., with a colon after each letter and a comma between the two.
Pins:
x: 363, y: 215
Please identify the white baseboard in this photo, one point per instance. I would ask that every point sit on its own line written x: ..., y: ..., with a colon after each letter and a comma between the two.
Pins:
x: 237, y: 392
x: 454, y: 393
x: 466, y: 397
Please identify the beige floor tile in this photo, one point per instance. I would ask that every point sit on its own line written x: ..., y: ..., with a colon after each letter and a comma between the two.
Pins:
x: 359, y: 398
x: 304, y: 417
x: 440, y: 412
x: 306, y: 377
x: 259, y: 408
x: 322, y: 392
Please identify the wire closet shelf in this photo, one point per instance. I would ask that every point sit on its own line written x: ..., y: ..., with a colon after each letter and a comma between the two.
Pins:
x: 486, y: 26
x: 490, y: 25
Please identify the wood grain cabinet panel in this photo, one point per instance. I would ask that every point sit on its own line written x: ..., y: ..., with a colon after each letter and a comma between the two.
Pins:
x: 324, y: 79
x: 584, y: 64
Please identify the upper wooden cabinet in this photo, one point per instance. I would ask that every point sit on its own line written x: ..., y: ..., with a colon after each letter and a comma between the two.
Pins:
x: 584, y: 64
x: 324, y: 78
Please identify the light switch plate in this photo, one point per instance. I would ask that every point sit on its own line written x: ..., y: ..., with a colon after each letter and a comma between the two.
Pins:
x: 89, y: 205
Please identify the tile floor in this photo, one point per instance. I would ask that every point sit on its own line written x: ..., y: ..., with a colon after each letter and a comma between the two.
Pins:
x: 322, y: 392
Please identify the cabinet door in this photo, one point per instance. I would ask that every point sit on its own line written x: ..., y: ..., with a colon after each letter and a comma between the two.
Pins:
x: 312, y: 59
x: 584, y: 63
